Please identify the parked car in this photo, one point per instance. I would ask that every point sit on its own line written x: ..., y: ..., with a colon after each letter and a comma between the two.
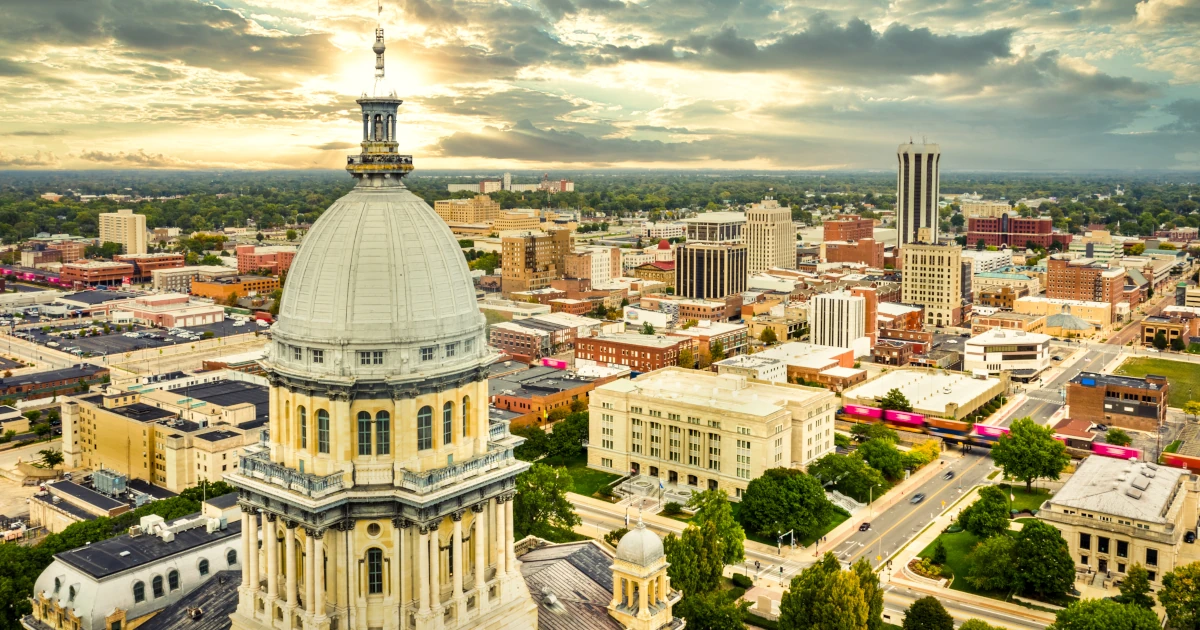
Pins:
x: 1101, y: 427
x: 917, y: 498
x: 864, y: 527
x: 1189, y: 537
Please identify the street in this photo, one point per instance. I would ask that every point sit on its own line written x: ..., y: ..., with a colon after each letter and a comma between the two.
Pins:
x: 1047, y: 398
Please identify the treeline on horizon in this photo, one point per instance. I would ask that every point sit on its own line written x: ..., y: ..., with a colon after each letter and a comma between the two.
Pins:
x: 275, y: 198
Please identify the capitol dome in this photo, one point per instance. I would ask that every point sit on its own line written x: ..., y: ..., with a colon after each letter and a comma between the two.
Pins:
x: 640, y: 546
x: 378, y: 290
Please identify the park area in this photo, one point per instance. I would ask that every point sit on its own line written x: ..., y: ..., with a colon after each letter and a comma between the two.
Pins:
x: 1183, y: 376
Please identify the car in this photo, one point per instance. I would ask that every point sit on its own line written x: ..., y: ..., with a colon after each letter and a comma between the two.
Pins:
x: 864, y: 527
x: 917, y: 498
x: 965, y: 335
x: 949, y: 475
x: 1101, y: 427
x: 238, y: 324
x: 1057, y: 357
x: 1189, y: 537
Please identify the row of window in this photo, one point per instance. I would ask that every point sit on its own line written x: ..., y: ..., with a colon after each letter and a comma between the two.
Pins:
x: 382, y: 431
x: 172, y: 583
x: 375, y: 357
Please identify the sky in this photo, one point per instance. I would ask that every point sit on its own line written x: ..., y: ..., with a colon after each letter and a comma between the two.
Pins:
x: 1002, y: 85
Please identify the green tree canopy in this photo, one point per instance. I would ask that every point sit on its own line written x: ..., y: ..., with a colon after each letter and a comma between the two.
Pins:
x: 712, y: 506
x: 1160, y: 340
x: 1180, y: 596
x: 541, y: 501
x: 874, y: 431
x: 712, y: 611
x: 783, y: 499
x: 824, y: 597
x: 849, y: 475
x: 988, y: 516
x: 978, y: 624
x: 868, y: 581
x: 647, y: 328
x: 883, y: 456
x: 1117, y: 437
x: 992, y: 564
x: 537, y: 443
x: 687, y: 358
x: 768, y: 336
x: 696, y: 559
x: 895, y: 401
x: 927, y: 613
x: 717, y: 350
x: 1101, y: 614
x: 1135, y: 589
x: 1042, y: 563
x: 1030, y: 452
x: 568, y: 434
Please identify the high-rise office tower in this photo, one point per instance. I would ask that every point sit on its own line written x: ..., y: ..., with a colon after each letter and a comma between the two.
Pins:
x: 125, y: 228
x: 916, y: 191
x: 712, y: 263
x: 770, y: 236
x: 933, y: 279
x: 837, y: 319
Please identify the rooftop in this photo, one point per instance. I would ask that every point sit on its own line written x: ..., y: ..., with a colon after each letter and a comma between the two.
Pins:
x: 926, y: 389
x: 536, y: 381
x: 994, y: 275
x: 97, y: 297
x: 1098, y: 379
x: 81, y: 494
x: 83, y: 370
x: 1060, y: 301
x: 718, y: 217
x: 1121, y: 488
x: 720, y: 393
x: 895, y: 308
x: 216, y: 599
x: 228, y: 392
x: 708, y: 328
x: 108, y: 557
x: 216, y: 436
x: 637, y: 339
x: 750, y: 361
x: 579, y: 577
x: 1003, y: 336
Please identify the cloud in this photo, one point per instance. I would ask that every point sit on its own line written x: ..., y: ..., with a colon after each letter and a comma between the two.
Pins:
x: 137, y: 158
x: 33, y: 133
x: 1187, y: 116
x: 1168, y: 12
x: 37, y: 159
x: 334, y: 146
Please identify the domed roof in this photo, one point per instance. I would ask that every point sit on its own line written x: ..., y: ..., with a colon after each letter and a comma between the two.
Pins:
x: 640, y: 546
x: 664, y: 244
x: 1067, y: 321
x: 378, y: 271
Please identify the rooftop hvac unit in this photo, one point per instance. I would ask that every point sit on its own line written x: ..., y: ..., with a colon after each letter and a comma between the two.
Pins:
x: 135, y: 531
x: 109, y: 482
x: 1133, y: 493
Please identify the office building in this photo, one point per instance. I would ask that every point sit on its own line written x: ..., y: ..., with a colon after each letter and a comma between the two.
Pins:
x: 1114, y: 514
x: 931, y: 391
x: 144, y: 265
x: 534, y: 392
x: 223, y: 289
x: 999, y: 296
x: 517, y: 220
x: 730, y: 338
x: 1085, y: 279
x: 837, y: 319
x: 917, y: 193
x: 933, y: 279
x: 1099, y: 314
x: 663, y: 230
x: 695, y: 429
x: 663, y: 271
x: 274, y: 259
x: 985, y: 261
x: 1123, y: 401
x: 598, y: 264
x: 713, y: 263
x: 124, y: 228
x: 1179, y: 327
x: 1027, y: 283
x: 179, y: 279
x: 1023, y: 354
x: 1016, y: 232
x: 638, y: 352
x: 96, y: 272
x: 848, y: 227
x: 168, y: 310
x: 530, y: 260
x: 865, y: 251
x: 478, y: 209
x: 770, y: 236
x: 982, y: 208
x: 1096, y: 244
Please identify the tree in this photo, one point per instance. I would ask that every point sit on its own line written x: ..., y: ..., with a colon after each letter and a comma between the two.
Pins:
x: 874, y: 431
x: 290, y: 235
x: 1160, y: 340
x: 980, y: 244
x: 695, y: 559
x: 768, y: 336
x: 1177, y: 344
x: 687, y: 359
x: 566, y: 439
x: 783, y: 499
x: 927, y: 613
x: 211, y: 260
x: 895, y: 400
x: 42, y: 430
x: 849, y: 475
x: 868, y: 581
x: 1180, y: 596
x: 824, y: 597
x: 206, y: 490
x: 713, y: 506
x: 50, y: 457
x: 977, y: 624
x: 537, y: 443
x: 717, y: 350
x: 1100, y: 614
x: 1042, y: 563
x: 712, y: 611
x: 259, y: 237
x: 1030, y: 452
x: 1117, y: 437
x: 541, y: 501
x: 1135, y: 589
x: 883, y: 456
x: 988, y: 516
x: 1192, y: 408
x: 991, y: 564
x: 647, y: 328
x: 939, y: 553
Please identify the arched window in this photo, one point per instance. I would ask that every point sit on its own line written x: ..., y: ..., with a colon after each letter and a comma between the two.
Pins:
x: 425, y: 428
x: 383, y: 433
x: 303, y: 415
x: 71, y: 594
x: 139, y: 591
x: 448, y: 423
x: 466, y: 414
x: 57, y: 584
x: 388, y: 130
x: 364, y: 433
x: 156, y: 585
x: 203, y: 566
x: 173, y: 580
x: 374, y: 571
x: 231, y: 557
x: 322, y: 431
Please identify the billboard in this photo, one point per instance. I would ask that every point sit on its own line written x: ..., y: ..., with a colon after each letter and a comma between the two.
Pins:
x: 865, y: 412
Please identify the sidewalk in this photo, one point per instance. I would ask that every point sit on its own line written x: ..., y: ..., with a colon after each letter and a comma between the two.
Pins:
x: 1007, y: 409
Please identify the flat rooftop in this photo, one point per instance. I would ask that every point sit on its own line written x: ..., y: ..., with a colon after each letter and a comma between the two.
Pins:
x: 717, y: 392
x: 638, y: 339
x: 1112, y: 486
x: 112, y: 556
x: 925, y: 389
x: 81, y: 494
x: 84, y: 370
x: 97, y: 297
x: 998, y: 336
x: 1114, y: 380
x: 227, y: 393
x: 750, y: 361
x: 536, y: 381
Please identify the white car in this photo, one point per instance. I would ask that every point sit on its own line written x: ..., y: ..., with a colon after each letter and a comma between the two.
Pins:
x: 239, y: 324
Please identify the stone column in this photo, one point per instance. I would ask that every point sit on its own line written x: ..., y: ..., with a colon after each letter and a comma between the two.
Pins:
x: 289, y: 557
x: 310, y: 582
x: 643, y: 609
x: 435, y: 569
x: 510, y: 560
x: 246, y: 547
x: 398, y: 527
x: 456, y: 551
x: 423, y: 570
x: 271, y: 540
x: 500, y: 569
x: 250, y: 564
x: 319, y: 574
x: 480, y: 552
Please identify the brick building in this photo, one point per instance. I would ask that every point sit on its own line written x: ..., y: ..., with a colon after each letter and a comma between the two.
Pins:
x: 1182, y: 326
x: 1014, y: 231
x: 1132, y: 403
x: 1084, y: 279
x: 537, y: 391
x: 220, y: 289
x: 999, y: 296
x: 866, y: 251
x: 848, y: 227
x: 888, y: 352
x: 52, y: 382
x: 661, y: 271
x: 639, y: 353
x: 93, y: 272
x: 144, y: 265
x: 525, y: 344
x: 532, y: 259
x: 275, y: 259
x: 732, y: 337
x: 574, y: 307
x: 478, y: 209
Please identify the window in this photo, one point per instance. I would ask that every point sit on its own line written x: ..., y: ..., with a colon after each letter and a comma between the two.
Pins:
x: 1152, y: 558
x: 427, y: 354
x: 156, y: 586
x: 1102, y: 545
x: 116, y: 625
x: 466, y: 414
x: 448, y: 423
x: 468, y: 345
x: 173, y: 580
x: 425, y: 428
x: 297, y: 353
x: 203, y: 566
x: 451, y: 349
x: 364, y: 433
x: 1122, y: 549
x: 303, y: 427
x: 383, y: 433
x: 364, y: 358
x: 71, y: 592
x: 322, y: 431
x: 374, y: 571
x: 231, y: 557
x: 318, y: 356
x: 377, y: 357
x: 139, y: 591
x: 1085, y: 541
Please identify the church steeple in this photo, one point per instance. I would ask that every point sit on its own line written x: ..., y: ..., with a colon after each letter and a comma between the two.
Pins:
x: 379, y: 164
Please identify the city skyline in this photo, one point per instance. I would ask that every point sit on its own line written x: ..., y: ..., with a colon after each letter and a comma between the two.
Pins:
x: 605, y: 83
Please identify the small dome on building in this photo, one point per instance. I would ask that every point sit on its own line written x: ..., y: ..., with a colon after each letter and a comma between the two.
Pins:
x: 663, y: 244
x: 640, y: 546
x: 1068, y: 322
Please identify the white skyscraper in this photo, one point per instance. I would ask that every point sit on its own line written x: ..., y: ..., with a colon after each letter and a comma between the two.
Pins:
x: 837, y: 319
x: 916, y: 191
x: 770, y: 236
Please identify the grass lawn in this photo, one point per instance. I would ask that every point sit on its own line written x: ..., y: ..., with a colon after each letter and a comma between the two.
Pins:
x: 958, y: 545
x: 1023, y: 500
x: 585, y: 481
x: 1173, y: 446
x: 1184, y: 377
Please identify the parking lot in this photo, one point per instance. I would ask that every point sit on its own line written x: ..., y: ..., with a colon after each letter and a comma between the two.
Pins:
x: 99, y: 343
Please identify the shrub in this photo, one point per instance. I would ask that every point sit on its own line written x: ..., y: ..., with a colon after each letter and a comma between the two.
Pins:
x: 615, y: 535
x: 671, y: 508
x: 939, y: 553
x: 742, y: 581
